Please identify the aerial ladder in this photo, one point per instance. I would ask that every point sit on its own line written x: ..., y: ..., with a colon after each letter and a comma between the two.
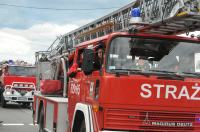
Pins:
x: 167, y: 17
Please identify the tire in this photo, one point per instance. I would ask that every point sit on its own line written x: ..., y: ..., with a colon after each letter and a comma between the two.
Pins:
x: 3, y: 102
x: 41, y: 121
x: 82, y: 127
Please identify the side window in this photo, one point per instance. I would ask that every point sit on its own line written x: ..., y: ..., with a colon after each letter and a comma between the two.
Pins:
x: 99, y: 56
x: 88, y: 61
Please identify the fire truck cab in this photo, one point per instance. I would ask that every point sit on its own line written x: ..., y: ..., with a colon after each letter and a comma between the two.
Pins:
x: 139, y: 76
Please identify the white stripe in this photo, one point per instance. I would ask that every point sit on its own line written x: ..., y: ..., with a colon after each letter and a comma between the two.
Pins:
x: 12, y: 124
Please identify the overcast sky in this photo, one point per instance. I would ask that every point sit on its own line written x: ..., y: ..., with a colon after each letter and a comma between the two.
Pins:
x: 24, y: 31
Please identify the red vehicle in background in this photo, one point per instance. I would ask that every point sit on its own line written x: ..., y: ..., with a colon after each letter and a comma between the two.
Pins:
x: 17, y: 84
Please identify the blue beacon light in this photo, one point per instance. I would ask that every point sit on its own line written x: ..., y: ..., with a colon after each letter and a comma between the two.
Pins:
x: 135, y: 16
x: 135, y: 12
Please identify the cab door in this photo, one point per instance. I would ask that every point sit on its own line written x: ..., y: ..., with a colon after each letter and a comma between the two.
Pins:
x: 75, y: 85
x: 91, y: 78
x: 91, y: 85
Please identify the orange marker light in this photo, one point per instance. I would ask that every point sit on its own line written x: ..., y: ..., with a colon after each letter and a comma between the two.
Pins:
x: 95, y: 107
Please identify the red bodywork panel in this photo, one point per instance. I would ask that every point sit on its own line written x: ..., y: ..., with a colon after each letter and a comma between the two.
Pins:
x: 50, y: 86
x: 8, y: 80
x: 149, y: 103
x: 150, y: 91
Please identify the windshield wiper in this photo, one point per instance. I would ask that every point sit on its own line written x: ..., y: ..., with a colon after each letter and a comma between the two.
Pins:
x: 130, y: 71
x: 162, y: 71
x: 126, y: 69
x: 120, y: 71
x: 168, y: 75
x: 196, y: 74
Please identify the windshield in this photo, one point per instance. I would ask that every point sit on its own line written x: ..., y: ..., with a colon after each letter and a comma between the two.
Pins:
x: 153, y: 55
x: 22, y: 71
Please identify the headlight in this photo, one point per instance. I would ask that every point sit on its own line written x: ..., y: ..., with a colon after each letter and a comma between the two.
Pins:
x: 8, y: 93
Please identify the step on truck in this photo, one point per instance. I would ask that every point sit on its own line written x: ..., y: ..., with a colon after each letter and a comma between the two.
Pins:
x: 127, y: 71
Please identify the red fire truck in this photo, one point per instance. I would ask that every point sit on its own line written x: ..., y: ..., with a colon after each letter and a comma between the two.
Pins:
x: 17, y: 84
x: 147, y: 78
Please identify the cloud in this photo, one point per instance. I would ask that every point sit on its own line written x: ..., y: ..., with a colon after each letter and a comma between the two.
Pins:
x: 23, y: 43
x: 13, y: 43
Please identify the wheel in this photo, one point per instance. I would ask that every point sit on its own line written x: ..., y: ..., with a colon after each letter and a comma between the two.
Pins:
x: 83, y: 128
x: 41, y: 121
x: 3, y: 102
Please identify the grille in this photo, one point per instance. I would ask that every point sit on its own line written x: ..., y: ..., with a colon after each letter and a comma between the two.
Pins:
x: 151, y: 120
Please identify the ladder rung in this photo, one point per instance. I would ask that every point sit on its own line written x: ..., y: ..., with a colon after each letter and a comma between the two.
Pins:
x: 193, y: 19
x: 196, y: 17
x: 156, y: 31
x: 166, y: 30
x: 170, y: 27
x: 175, y: 25
x: 179, y: 22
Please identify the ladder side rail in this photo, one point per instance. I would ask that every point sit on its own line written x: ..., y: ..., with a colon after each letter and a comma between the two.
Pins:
x: 53, y: 44
x: 58, y: 45
x: 56, y: 50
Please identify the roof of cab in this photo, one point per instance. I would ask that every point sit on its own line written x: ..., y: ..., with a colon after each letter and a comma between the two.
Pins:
x: 109, y: 36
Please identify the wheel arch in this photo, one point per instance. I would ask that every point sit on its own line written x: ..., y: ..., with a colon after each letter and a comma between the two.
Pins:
x: 78, y: 118
x: 82, y: 112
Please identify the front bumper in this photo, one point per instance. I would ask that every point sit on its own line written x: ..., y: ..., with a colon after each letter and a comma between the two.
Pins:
x: 18, y: 99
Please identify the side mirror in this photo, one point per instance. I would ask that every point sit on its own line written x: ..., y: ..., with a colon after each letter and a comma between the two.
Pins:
x: 88, y: 58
